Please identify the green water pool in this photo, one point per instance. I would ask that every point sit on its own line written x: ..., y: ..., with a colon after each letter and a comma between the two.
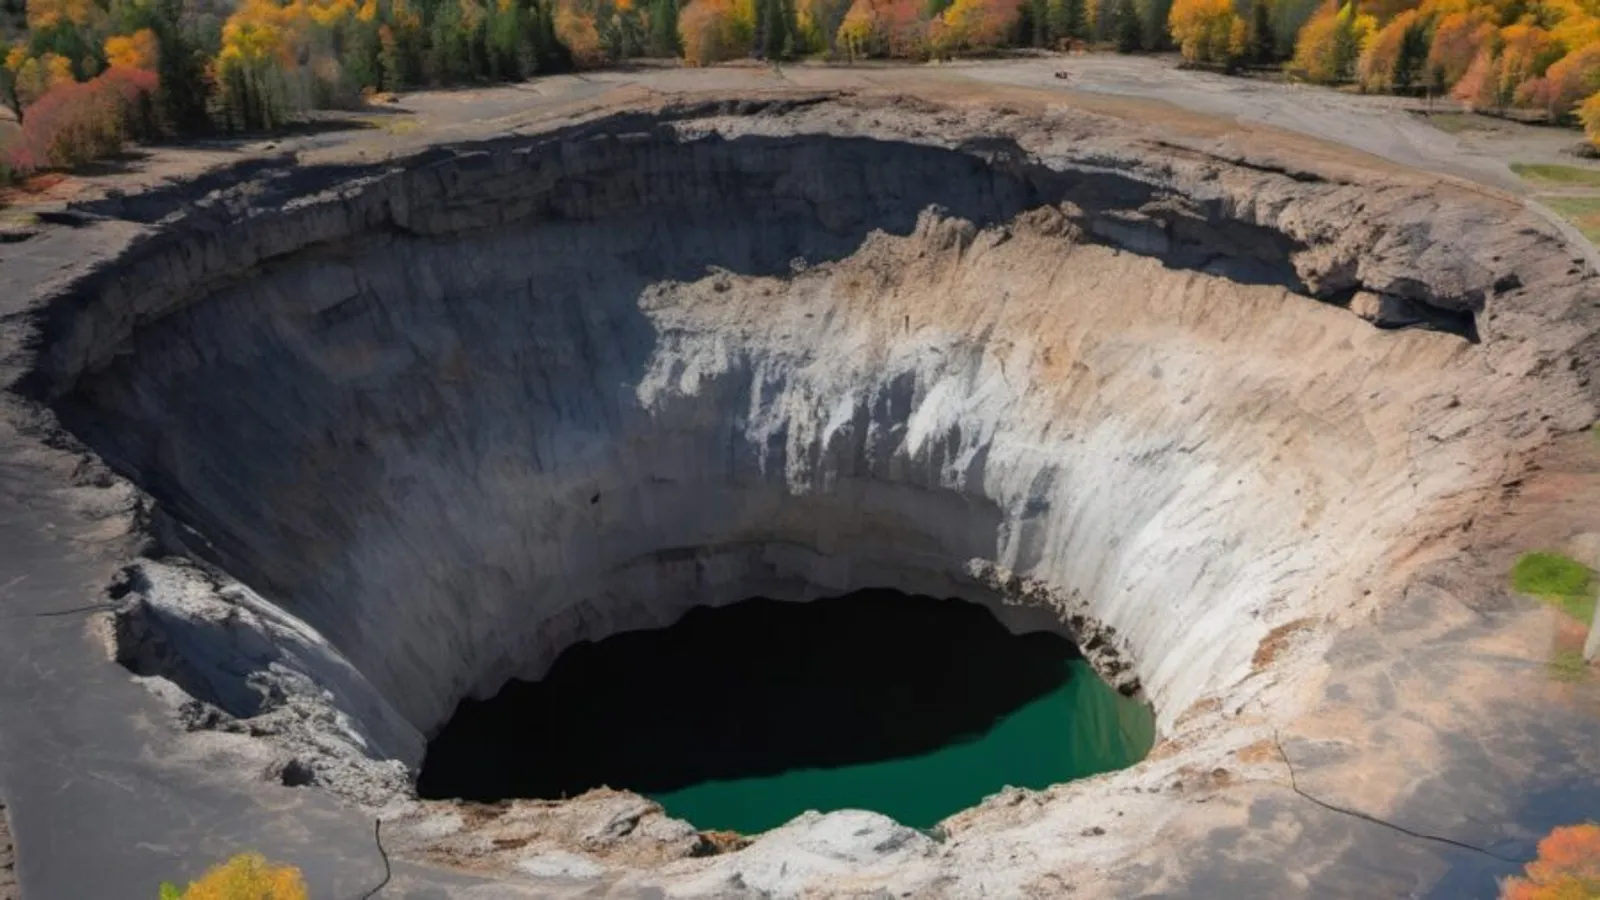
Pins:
x: 742, y: 717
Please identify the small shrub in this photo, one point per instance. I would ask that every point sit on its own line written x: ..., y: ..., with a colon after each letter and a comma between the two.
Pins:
x: 1554, y: 578
x: 247, y: 876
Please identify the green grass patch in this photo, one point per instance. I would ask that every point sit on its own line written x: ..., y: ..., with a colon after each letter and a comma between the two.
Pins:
x: 1568, y: 665
x: 1456, y: 123
x: 1584, y: 212
x: 1556, y: 174
x: 1562, y: 582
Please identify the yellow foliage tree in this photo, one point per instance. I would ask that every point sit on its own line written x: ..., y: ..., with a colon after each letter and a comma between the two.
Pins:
x: 247, y: 876
x: 1567, y: 868
x: 1589, y: 115
x: 1331, y: 43
x: 136, y: 51
x: 1207, y: 31
x: 861, y: 32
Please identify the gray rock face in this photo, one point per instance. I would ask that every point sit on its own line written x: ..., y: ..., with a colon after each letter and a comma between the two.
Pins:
x: 447, y: 417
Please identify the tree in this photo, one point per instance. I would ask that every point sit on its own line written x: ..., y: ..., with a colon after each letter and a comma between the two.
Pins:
x: 1393, y: 58
x: 135, y: 51
x: 1130, y: 33
x: 1068, y: 20
x: 1204, y: 30
x: 1572, y: 78
x: 1457, y: 39
x: 1260, y: 47
x: 1567, y: 867
x: 716, y: 30
x: 1331, y: 43
x: 664, y: 28
x: 180, y: 70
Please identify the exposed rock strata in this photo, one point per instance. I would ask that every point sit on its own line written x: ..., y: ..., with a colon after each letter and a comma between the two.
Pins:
x: 452, y: 414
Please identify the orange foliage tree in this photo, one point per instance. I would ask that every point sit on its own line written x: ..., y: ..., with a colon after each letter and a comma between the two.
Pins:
x: 1572, y: 78
x: 715, y: 30
x: 1523, y: 53
x: 1568, y: 867
x: 1331, y: 43
x: 1458, y: 39
x: 1393, y: 58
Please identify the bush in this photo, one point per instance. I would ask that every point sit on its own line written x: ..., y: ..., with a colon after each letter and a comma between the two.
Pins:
x: 75, y: 123
x: 1552, y: 577
x: 1568, y: 867
x: 247, y: 876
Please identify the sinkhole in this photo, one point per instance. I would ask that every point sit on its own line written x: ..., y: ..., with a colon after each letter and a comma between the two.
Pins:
x: 483, y: 453
x: 744, y: 716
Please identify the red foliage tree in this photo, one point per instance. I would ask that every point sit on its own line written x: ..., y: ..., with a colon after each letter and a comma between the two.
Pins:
x: 75, y: 123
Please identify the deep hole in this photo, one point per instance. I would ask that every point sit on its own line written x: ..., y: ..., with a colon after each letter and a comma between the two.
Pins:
x: 745, y: 716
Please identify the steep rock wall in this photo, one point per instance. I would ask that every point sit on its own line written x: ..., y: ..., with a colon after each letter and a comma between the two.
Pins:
x: 458, y: 413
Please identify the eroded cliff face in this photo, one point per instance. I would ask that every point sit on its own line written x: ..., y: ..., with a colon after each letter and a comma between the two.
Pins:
x: 446, y: 417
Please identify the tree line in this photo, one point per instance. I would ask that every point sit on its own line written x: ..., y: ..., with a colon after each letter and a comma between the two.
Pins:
x: 96, y: 72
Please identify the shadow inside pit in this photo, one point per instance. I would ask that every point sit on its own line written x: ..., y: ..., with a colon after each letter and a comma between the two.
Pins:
x: 822, y: 691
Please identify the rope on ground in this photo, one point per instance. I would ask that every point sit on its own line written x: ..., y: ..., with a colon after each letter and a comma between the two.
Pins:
x: 377, y: 838
x: 1294, y: 785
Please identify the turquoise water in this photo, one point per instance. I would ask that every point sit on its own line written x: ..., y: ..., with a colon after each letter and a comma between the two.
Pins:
x: 741, y: 718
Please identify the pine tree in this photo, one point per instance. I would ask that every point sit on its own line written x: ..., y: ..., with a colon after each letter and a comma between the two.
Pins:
x: 1413, y: 56
x: 1039, y: 18
x: 664, y: 28
x: 182, y: 91
x: 363, y: 57
x: 1130, y: 33
x: 1259, y: 45
x: 1067, y: 21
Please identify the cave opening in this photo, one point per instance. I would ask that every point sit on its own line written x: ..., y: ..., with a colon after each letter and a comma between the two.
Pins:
x: 741, y: 717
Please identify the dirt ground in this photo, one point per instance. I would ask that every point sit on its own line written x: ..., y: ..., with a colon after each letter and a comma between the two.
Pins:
x: 1435, y: 137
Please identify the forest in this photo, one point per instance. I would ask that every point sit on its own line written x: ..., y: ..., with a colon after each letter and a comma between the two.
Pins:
x: 84, y: 76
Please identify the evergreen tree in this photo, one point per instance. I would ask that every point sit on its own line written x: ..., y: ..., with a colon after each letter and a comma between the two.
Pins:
x: 664, y: 28
x: 1413, y: 56
x: 1039, y: 19
x: 181, y: 70
x: 1260, y: 47
x: 1069, y: 20
x: 1153, y: 21
x: 363, y: 57
x: 1130, y: 32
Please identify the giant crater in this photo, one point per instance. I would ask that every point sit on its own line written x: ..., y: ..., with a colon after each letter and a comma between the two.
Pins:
x: 410, y: 429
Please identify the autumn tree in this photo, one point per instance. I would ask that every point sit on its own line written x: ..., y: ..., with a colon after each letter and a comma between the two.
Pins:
x: 1205, y: 30
x: 1567, y: 867
x: 1394, y: 57
x: 1331, y: 43
x: 1457, y: 39
x: 134, y: 51
x: 1522, y: 53
x: 1565, y: 84
x: 818, y: 21
x: 716, y: 30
